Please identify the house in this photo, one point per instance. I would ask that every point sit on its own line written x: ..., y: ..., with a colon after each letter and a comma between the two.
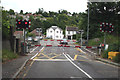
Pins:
x: 18, y: 34
x: 36, y: 32
x: 70, y: 32
x: 54, y: 32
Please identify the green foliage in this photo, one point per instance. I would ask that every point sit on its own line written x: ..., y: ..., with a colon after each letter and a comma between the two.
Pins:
x: 116, y: 58
x: 105, y: 54
x: 30, y: 35
x: 11, y: 12
x: 8, y: 55
x: 21, y: 11
x: 5, y: 24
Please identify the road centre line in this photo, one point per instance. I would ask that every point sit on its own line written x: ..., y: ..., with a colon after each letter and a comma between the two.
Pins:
x: 36, y: 54
x: 78, y: 67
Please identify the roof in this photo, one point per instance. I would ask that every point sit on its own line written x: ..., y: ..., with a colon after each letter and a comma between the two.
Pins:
x: 35, y: 32
x: 71, y: 28
x: 18, y: 32
x: 55, y: 27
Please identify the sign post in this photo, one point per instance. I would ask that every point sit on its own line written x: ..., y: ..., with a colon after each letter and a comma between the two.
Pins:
x: 23, y: 24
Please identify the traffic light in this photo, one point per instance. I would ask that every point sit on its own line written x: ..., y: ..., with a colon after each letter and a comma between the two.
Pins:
x: 23, y: 24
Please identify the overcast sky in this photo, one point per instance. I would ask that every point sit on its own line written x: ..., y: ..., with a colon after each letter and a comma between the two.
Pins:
x: 47, y: 5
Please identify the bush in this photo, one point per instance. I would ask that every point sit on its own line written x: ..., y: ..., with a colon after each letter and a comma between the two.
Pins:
x: 105, y: 54
x: 8, y: 55
x: 117, y: 58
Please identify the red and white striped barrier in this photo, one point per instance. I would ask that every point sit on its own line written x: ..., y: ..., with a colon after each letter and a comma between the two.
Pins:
x: 61, y: 45
x: 48, y: 45
x: 62, y: 40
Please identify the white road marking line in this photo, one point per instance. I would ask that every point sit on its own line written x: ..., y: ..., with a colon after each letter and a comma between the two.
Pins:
x: 36, y: 54
x: 50, y: 59
x: 78, y: 67
x: 70, y: 57
x: 75, y: 77
x: 33, y: 49
x: 89, y: 51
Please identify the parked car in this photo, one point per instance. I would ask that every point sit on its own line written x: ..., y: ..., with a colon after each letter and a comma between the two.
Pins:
x: 29, y: 39
x: 64, y: 41
x: 41, y: 37
x: 35, y: 39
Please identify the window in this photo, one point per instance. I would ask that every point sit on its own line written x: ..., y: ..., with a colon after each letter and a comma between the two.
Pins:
x: 57, y: 31
x: 51, y: 31
x: 56, y: 36
x: 68, y: 32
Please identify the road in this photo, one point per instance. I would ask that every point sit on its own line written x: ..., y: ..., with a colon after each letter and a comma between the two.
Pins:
x: 66, y: 62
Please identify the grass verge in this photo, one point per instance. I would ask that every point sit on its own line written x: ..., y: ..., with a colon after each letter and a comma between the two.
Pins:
x: 8, y: 55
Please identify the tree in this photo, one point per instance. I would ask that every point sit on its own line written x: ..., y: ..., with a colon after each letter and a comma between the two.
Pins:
x: 5, y: 25
x: 21, y: 11
x: 11, y: 12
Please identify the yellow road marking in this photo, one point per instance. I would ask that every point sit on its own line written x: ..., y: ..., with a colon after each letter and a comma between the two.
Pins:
x: 39, y: 54
x: 46, y: 55
x: 28, y: 69
x: 75, y: 57
x: 55, y: 56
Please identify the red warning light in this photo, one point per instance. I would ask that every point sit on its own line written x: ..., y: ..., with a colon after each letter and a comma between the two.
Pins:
x: 19, y: 22
x: 25, y: 22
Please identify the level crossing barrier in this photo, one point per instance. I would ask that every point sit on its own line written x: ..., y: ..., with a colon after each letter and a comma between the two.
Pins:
x: 61, y: 45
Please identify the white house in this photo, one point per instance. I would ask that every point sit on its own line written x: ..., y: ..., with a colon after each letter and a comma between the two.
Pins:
x: 54, y: 32
x: 70, y: 32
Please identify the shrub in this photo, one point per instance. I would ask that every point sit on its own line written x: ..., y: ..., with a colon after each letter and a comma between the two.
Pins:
x: 105, y: 54
x: 117, y: 58
x: 8, y: 55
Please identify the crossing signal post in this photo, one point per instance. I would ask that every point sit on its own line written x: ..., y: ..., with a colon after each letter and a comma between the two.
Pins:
x: 106, y: 27
x: 23, y: 24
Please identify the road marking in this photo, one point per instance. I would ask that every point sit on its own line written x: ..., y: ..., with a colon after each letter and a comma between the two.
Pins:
x: 55, y: 56
x: 70, y: 57
x: 50, y: 59
x: 33, y: 49
x: 89, y: 51
x: 79, y: 67
x: 39, y: 54
x: 84, y: 57
x: 28, y: 69
x: 45, y: 55
x: 36, y: 54
x: 75, y: 57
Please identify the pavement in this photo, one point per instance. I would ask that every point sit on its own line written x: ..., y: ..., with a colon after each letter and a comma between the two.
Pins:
x: 10, y: 68
x: 102, y: 59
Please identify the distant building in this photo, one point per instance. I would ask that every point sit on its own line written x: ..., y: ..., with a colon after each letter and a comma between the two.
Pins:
x: 70, y: 32
x: 54, y: 32
x: 18, y: 34
x: 36, y: 32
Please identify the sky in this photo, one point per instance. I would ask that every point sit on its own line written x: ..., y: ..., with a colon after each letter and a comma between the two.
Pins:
x: 48, y: 5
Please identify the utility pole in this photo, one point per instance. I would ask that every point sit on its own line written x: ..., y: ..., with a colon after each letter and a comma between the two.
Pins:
x: 88, y: 24
x: 24, y: 40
